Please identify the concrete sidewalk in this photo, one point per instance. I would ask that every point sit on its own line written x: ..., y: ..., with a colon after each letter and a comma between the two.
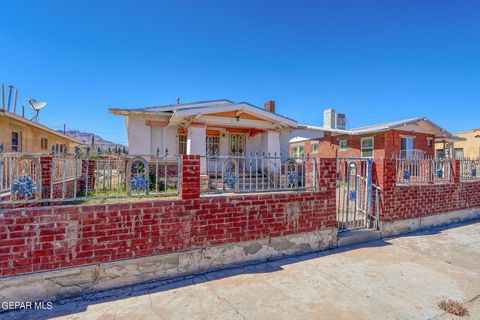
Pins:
x: 401, y: 278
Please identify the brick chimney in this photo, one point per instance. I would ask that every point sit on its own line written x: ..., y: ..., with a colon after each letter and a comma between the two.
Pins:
x: 269, y: 106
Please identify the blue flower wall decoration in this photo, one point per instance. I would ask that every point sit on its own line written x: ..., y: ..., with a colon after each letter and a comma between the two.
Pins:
x: 138, y: 183
x: 229, y: 179
x: 23, y: 187
x: 293, y: 178
x: 352, y: 195
x: 440, y: 173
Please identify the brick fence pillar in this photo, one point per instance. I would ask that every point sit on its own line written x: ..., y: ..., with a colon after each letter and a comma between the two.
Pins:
x: 46, y: 168
x: 327, y: 184
x: 88, y: 170
x: 311, y: 174
x: 455, y: 171
x: 190, y: 177
x: 385, y: 176
x: 327, y: 175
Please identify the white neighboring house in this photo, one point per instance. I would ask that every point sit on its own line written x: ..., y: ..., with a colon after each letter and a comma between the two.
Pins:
x: 219, y: 127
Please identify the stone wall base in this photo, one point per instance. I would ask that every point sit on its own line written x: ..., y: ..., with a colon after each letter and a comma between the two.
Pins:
x: 69, y: 282
x: 398, y: 227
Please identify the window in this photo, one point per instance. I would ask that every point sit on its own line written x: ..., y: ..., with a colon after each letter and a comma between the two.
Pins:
x: 315, y: 148
x: 298, y: 152
x: 407, y: 143
x: 343, y: 145
x: 44, y: 144
x: 458, y: 153
x: 440, y: 153
x: 237, y: 144
x: 367, y: 147
x: 213, y: 145
x: 16, y: 143
x: 429, y: 142
x: 182, y: 144
x: 406, y: 146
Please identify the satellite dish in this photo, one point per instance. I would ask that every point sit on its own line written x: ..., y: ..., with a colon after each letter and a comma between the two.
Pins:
x: 36, y: 105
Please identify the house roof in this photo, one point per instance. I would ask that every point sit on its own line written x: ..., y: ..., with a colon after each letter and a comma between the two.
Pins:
x: 173, y: 107
x: 439, y: 132
x: 37, y: 125
x: 177, y: 112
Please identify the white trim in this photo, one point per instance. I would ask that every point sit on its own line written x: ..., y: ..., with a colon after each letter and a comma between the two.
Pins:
x: 231, y: 122
x: 298, y: 143
x: 258, y: 112
x: 346, y: 148
x: 373, y: 146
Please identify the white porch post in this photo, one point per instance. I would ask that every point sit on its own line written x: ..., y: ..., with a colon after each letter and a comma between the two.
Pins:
x: 273, y: 142
x: 272, y: 146
x: 196, y: 143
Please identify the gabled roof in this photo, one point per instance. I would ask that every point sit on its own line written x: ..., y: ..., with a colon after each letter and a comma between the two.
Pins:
x: 381, y: 127
x: 179, y: 111
x: 173, y: 107
x: 387, y: 126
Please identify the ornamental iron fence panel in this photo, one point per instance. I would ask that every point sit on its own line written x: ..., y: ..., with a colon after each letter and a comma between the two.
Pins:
x: 423, y: 170
x: 253, y: 172
x: 469, y: 169
x: 87, y: 175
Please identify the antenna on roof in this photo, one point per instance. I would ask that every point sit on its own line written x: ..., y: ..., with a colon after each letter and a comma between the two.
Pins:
x: 10, y: 87
x: 15, y: 101
x: 36, y: 105
x: 3, y: 97
x: 178, y: 100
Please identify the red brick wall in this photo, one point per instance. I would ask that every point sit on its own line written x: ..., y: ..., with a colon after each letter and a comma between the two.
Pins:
x: 405, y: 202
x: 190, y: 177
x: 55, y: 237
x: 69, y: 189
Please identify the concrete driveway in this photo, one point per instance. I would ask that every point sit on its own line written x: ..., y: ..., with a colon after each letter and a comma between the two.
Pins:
x: 401, y: 278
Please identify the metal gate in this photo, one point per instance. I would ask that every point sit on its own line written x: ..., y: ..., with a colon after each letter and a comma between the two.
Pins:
x: 354, y: 194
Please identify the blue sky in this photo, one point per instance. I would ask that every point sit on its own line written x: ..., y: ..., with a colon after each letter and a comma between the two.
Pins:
x: 373, y: 60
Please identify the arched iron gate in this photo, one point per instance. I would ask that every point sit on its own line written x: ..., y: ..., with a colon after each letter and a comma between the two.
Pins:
x: 357, y: 197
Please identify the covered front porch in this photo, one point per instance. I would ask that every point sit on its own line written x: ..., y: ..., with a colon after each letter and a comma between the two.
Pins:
x: 211, y: 142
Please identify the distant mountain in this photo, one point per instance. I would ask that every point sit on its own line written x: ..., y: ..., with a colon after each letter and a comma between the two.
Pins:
x: 86, y: 138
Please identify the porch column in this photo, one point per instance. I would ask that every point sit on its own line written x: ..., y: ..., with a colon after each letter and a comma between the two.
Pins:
x: 196, y: 143
x: 273, y: 142
x: 272, y: 146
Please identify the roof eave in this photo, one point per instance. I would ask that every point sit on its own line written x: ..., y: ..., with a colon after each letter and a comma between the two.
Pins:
x: 38, y: 125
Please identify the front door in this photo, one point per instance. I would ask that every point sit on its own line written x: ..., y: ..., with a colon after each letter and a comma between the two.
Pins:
x: 237, y: 144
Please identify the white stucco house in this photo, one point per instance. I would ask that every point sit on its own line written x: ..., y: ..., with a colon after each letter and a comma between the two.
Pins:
x: 220, y: 127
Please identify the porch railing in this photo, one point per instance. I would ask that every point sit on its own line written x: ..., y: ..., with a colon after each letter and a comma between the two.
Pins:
x: 423, y: 170
x: 87, y: 175
x: 469, y: 169
x: 252, y: 172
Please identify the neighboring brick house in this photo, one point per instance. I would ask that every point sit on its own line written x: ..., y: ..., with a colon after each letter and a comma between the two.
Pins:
x: 411, y: 137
